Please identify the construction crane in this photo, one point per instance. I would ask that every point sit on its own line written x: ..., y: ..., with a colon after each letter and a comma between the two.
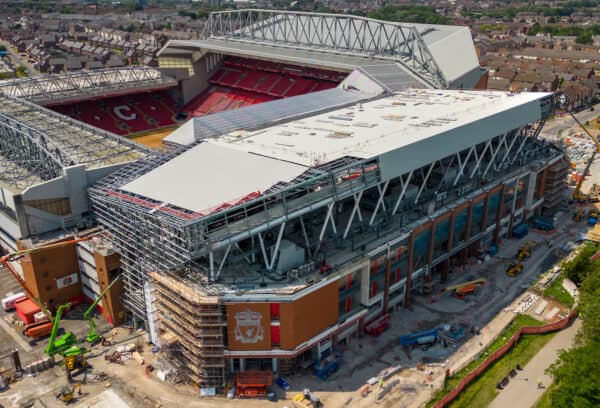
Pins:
x: 65, y: 341
x: 577, y: 194
x: 92, y: 336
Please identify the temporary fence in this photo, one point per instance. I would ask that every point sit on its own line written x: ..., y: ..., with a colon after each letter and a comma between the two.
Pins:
x: 551, y: 327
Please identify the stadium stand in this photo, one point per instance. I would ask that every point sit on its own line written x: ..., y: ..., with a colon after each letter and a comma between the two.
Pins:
x: 242, y: 82
x: 124, y: 115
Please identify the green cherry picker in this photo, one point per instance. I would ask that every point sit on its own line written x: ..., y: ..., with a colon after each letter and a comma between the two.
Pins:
x: 92, y: 336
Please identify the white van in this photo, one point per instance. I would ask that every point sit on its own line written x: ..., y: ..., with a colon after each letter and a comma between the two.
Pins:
x: 8, y: 302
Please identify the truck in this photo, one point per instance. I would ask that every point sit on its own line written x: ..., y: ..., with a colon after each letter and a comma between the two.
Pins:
x: 543, y: 223
x: 419, y: 338
x: 8, y: 302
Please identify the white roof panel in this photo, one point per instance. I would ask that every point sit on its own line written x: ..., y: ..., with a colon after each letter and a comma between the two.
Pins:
x: 208, y: 176
x: 373, y: 128
x: 405, y: 131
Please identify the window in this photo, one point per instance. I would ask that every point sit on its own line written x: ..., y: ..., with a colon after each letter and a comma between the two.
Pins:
x: 275, y: 336
x: 274, y: 311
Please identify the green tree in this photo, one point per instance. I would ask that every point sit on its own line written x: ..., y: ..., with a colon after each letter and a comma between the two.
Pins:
x: 2, y: 47
x: 410, y: 14
x: 21, y: 71
x: 585, y: 38
x: 577, y: 378
x: 589, y: 305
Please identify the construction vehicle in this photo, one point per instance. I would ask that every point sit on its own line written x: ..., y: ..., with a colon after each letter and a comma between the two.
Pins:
x: 464, y: 291
x: 65, y: 341
x: 592, y: 217
x: 67, y: 394
x: 459, y: 286
x: 543, y: 223
x: 578, y: 196
x: 38, y: 329
x: 92, y: 336
x: 307, y: 399
x: 524, y: 251
x: 514, y: 269
x: 420, y: 338
x: 75, y: 359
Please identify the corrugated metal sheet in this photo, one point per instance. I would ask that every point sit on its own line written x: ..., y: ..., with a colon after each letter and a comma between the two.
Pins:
x: 264, y: 114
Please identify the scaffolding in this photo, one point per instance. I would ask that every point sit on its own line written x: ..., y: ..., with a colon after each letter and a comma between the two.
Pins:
x: 79, y: 85
x: 555, y: 184
x: 196, y: 321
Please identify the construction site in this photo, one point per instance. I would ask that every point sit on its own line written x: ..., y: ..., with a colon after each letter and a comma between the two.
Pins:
x: 334, y: 214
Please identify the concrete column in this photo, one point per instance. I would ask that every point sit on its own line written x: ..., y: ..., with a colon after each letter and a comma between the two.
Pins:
x: 409, y: 270
x: 242, y: 364
x: 274, y: 364
x: 469, y: 215
x: 499, y: 215
x: 485, y: 212
x: 386, y: 290
x: 232, y: 365
x: 450, y: 246
x: 431, y: 242
x: 542, y: 188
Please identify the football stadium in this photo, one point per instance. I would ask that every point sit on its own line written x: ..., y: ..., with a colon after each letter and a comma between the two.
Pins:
x: 304, y: 174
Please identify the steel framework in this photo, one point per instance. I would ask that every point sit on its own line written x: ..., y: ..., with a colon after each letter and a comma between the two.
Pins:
x: 155, y: 236
x: 52, y: 89
x: 329, y: 33
x: 37, y: 143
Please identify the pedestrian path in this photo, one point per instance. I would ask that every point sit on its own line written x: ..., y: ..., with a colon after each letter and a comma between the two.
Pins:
x: 523, y: 391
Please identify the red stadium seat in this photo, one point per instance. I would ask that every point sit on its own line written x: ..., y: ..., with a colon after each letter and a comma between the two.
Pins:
x: 125, y: 115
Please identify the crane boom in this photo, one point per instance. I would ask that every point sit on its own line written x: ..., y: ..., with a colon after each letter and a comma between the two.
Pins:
x: 13, y: 256
x: 87, y: 315
x: 50, y: 348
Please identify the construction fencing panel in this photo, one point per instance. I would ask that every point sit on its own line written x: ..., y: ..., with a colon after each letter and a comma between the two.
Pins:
x: 452, y: 395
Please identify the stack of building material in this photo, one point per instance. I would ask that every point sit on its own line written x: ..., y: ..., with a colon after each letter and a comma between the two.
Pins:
x: 594, y: 233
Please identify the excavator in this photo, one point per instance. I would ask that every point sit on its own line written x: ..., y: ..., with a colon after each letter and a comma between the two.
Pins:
x: 514, y: 269
x: 38, y: 329
x: 67, y: 394
x: 92, y: 336
x: 578, y: 196
x: 525, y: 251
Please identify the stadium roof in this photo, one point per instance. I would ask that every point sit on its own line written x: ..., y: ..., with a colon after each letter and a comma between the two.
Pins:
x: 438, y: 55
x: 405, y: 131
x: 263, y: 114
x: 36, y: 144
x: 79, y: 85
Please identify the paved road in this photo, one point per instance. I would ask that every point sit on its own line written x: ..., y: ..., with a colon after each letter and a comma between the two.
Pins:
x: 524, y: 393
x: 17, y: 60
x: 565, y: 122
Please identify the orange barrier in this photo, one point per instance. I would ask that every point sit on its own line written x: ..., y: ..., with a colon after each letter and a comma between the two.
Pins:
x: 559, y: 325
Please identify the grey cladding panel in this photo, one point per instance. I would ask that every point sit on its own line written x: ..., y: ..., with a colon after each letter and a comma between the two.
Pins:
x: 416, y: 155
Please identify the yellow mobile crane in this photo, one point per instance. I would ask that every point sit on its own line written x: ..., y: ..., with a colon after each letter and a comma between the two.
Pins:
x: 578, y: 196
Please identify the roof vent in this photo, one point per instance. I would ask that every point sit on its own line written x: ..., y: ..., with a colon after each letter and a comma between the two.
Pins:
x: 339, y: 134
